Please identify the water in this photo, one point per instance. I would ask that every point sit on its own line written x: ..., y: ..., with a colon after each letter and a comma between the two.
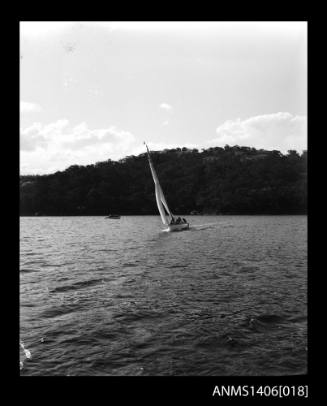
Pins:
x: 119, y: 297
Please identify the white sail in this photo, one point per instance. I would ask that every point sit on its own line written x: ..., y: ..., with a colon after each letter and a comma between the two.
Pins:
x: 163, y: 200
x: 160, y: 198
x: 160, y: 206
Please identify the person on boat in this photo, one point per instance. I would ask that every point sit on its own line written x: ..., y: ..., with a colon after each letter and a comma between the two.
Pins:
x: 172, y: 220
x: 179, y: 220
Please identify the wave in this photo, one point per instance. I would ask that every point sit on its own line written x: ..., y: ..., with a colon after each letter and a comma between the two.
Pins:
x: 59, y: 311
x: 270, y: 318
x: 203, y: 226
x: 301, y: 318
x: 130, y: 264
x: 249, y: 269
x: 77, y: 285
x: 177, y: 266
x: 23, y: 270
x: 190, y: 306
x: 27, y: 352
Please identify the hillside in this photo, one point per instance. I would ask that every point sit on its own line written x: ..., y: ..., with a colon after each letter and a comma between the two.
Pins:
x: 230, y: 180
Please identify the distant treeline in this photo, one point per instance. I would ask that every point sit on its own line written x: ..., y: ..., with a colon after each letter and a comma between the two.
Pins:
x: 230, y: 180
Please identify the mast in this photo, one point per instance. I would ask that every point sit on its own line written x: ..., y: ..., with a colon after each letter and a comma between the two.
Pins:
x: 160, y: 198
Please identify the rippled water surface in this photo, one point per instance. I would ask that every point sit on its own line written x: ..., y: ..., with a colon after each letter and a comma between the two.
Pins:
x: 121, y: 297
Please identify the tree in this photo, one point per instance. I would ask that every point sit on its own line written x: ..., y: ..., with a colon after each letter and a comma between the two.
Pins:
x: 239, y: 180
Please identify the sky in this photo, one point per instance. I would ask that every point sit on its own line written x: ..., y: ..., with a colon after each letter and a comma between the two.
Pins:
x: 92, y: 91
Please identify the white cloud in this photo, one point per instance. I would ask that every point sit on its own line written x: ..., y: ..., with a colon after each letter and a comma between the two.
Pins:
x: 27, y: 107
x: 55, y: 146
x: 31, y: 138
x: 166, y: 106
x: 281, y: 131
x: 115, y: 139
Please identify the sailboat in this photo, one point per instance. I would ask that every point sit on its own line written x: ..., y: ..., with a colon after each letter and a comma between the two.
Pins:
x: 166, y: 215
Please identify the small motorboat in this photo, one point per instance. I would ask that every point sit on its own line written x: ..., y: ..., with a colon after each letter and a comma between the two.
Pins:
x: 113, y: 216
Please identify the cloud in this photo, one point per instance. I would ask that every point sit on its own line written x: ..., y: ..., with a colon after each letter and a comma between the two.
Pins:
x: 55, y: 146
x: 281, y: 131
x: 31, y: 138
x: 27, y: 107
x: 40, y: 136
x: 115, y: 139
x: 166, y: 106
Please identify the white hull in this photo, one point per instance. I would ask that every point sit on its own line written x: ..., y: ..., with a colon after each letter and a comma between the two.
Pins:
x: 178, y: 227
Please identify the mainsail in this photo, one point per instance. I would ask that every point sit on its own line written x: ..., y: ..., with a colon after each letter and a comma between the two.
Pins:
x: 160, y: 198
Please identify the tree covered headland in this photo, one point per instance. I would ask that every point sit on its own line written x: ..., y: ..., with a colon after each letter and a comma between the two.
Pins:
x: 230, y: 180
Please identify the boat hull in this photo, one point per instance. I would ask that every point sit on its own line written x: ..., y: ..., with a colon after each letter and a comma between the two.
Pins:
x: 178, y: 227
